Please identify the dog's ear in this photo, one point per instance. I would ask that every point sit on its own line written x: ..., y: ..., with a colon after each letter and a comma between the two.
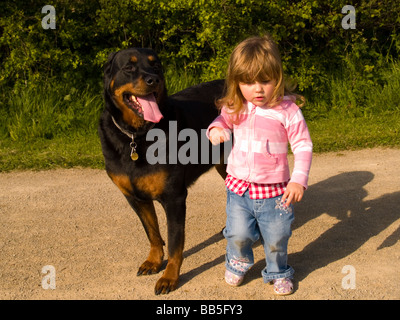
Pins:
x: 107, y: 69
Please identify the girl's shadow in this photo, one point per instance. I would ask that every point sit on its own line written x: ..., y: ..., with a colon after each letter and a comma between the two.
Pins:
x: 342, y: 197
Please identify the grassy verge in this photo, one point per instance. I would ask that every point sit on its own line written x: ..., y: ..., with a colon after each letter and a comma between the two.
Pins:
x: 84, y: 150
x: 338, y: 133
x: 55, y: 125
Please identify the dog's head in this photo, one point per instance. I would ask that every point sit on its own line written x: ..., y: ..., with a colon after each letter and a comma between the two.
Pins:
x: 134, y: 81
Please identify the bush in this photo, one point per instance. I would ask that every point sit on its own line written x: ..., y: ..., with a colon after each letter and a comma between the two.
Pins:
x: 194, y: 35
x: 334, y: 67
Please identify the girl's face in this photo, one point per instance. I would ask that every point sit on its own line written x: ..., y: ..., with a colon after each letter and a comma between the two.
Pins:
x: 258, y: 93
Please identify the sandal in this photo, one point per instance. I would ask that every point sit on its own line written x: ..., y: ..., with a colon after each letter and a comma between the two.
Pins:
x: 283, y: 286
x: 233, y: 279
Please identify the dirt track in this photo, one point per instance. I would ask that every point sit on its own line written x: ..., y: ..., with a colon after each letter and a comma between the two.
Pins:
x: 77, y: 221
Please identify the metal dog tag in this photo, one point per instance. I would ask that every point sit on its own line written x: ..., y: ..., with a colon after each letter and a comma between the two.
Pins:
x: 134, y: 156
x: 133, y: 145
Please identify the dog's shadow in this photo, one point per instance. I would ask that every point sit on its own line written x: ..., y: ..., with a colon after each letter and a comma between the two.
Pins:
x: 186, y: 277
x: 342, y: 197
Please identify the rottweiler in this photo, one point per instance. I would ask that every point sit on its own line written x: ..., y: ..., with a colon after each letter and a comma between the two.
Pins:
x: 136, y: 102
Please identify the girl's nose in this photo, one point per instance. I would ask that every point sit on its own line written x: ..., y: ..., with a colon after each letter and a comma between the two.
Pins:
x: 258, y: 87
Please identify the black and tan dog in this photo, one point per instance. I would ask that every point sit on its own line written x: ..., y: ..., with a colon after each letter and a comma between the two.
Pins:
x: 135, y: 102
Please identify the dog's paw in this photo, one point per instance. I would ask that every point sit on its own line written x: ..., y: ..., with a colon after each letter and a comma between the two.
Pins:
x: 165, y: 285
x: 149, y: 267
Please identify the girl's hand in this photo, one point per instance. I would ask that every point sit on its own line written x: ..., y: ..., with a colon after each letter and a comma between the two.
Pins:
x: 294, y: 193
x: 218, y: 135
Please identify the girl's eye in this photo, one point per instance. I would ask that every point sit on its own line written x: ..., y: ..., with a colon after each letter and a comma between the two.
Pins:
x: 249, y: 83
x: 246, y: 83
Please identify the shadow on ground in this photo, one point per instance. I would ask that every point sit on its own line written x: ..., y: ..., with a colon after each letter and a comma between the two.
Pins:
x: 342, y: 197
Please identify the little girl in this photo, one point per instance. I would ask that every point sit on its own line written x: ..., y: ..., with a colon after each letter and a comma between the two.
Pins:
x: 260, y: 191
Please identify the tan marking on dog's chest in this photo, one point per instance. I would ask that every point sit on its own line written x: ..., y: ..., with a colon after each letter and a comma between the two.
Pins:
x: 152, y: 184
x: 122, y: 182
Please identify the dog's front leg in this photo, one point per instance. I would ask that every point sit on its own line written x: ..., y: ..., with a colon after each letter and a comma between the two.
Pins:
x: 175, y: 209
x: 147, y: 214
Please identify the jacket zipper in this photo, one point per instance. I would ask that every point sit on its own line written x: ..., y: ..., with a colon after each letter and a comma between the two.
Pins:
x: 250, y: 156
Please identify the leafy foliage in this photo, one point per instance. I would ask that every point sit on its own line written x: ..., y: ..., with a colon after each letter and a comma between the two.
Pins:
x: 196, y: 35
x: 335, y: 68
x: 50, y: 80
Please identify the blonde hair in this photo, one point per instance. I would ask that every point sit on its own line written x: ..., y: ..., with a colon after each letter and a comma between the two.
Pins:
x: 254, y: 59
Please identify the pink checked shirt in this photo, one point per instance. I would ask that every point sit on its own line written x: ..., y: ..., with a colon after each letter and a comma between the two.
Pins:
x: 260, y: 145
x: 256, y: 191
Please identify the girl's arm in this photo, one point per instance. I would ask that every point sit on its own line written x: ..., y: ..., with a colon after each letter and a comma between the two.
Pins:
x: 294, y: 193
x: 218, y: 135
x: 220, y: 129
x: 301, y: 144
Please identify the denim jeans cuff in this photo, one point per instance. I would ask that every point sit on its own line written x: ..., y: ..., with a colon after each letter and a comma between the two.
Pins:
x: 234, y: 270
x: 267, y: 277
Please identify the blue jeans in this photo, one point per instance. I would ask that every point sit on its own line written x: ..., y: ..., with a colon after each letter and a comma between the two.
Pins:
x: 247, y: 219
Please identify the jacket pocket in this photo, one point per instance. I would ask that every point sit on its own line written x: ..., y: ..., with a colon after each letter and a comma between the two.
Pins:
x: 266, y: 161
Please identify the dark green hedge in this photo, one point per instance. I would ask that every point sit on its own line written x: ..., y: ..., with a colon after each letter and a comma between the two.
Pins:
x: 194, y: 36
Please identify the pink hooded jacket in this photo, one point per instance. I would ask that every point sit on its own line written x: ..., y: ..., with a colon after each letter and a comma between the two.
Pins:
x: 260, y: 144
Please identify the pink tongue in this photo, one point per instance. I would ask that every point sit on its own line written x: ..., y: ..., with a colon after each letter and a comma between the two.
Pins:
x: 151, y: 112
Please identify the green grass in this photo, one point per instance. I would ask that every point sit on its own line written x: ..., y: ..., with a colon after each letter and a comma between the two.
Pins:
x: 338, y: 133
x: 45, y: 112
x: 50, y: 126
x: 79, y: 150
x: 55, y: 126
x: 83, y: 149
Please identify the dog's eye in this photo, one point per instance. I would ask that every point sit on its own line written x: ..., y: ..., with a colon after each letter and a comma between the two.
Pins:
x: 129, y: 68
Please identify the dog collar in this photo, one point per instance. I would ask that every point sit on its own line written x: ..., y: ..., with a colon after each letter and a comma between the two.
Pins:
x: 126, y: 132
x: 131, y: 135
